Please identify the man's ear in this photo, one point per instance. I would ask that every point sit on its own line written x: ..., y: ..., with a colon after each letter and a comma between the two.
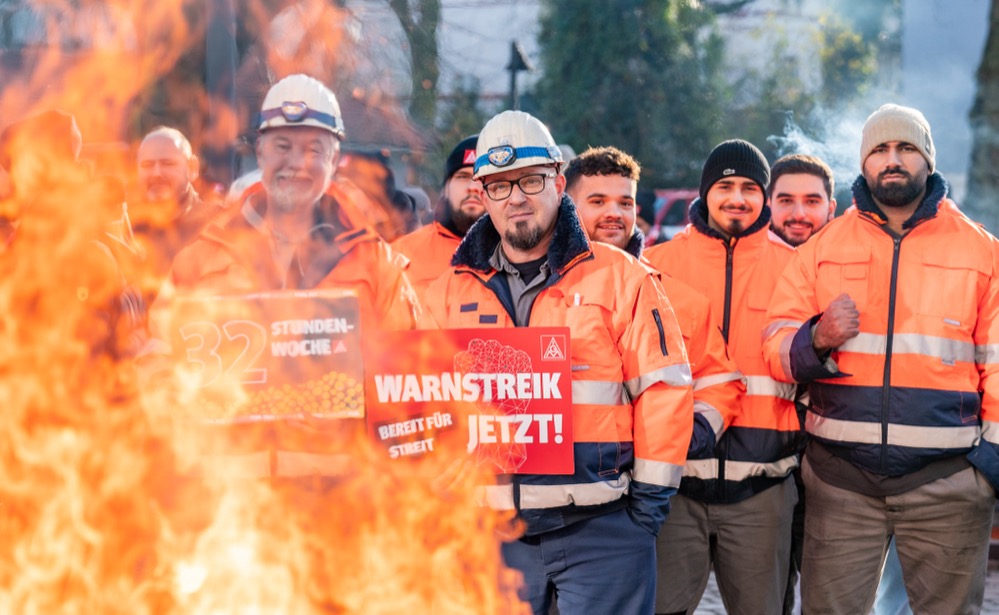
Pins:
x: 832, y: 208
x: 560, y: 184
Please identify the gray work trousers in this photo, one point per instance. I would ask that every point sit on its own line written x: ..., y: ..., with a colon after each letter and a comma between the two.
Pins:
x: 748, y: 543
x: 941, y: 531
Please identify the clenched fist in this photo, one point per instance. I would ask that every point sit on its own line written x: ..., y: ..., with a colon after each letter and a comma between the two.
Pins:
x: 839, y: 322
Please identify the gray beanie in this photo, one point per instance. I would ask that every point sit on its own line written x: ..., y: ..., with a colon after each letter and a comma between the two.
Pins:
x: 897, y: 123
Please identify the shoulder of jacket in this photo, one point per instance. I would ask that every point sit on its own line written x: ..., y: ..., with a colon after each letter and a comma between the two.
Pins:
x: 780, y: 244
x: 413, y: 239
x: 682, y: 294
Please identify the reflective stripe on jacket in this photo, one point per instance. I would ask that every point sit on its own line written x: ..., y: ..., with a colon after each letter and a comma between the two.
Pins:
x: 631, y: 384
x: 737, y: 276
x: 918, y: 384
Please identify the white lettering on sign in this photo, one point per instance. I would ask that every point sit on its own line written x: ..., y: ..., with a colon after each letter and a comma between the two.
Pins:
x: 514, y: 428
x: 317, y: 326
x: 411, y: 448
x: 302, y: 348
x: 396, y: 388
x: 433, y: 422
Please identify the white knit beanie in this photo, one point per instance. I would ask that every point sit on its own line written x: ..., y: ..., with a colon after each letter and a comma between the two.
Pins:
x: 897, y: 123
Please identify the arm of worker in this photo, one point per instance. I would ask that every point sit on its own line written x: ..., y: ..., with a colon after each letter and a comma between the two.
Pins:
x: 718, y: 385
x: 657, y: 376
x: 798, y: 338
x: 985, y: 455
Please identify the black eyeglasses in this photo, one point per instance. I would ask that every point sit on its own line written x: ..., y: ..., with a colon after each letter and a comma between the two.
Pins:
x: 528, y: 184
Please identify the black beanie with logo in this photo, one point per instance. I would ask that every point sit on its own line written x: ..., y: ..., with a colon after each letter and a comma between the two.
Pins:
x: 734, y: 158
x: 463, y: 155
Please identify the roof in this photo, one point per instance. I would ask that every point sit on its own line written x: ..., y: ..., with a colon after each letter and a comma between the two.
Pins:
x: 381, y: 127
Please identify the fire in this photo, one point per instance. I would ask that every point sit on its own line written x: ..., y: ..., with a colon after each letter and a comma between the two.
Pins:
x: 103, y: 505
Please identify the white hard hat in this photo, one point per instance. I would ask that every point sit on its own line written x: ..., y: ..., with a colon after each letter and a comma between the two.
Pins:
x: 513, y: 140
x: 300, y: 100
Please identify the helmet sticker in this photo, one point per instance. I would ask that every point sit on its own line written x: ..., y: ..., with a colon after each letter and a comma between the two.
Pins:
x: 294, y: 111
x: 502, y: 155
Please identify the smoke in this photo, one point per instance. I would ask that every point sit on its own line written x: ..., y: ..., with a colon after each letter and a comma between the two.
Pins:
x: 837, y: 142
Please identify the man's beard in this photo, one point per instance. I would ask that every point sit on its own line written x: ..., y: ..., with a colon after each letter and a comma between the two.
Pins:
x: 735, y: 227
x: 523, y: 236
x: 461, y: 220
x: 159, y: 192
x: 788, y: 239
x: 896, y: 194
x: 284, y: 202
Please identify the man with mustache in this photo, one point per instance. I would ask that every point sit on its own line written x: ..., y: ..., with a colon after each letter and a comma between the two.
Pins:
x: 801, y: 203
x: 588, y: 540
x: 801, y: 197
x: 431, y: 247
x: 603, y: 182
x: 166, y: 212
x: 891, y: 318
x: 734, y: 509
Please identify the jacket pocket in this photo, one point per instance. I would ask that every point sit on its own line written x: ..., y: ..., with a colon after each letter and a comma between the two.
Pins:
x: 590, y: 321
x: 846, y: 269
x: 950, y: 287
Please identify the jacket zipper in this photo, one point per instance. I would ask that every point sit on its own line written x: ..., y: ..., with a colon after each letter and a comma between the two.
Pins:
x: 721, y: 445
x: 729, y: 258
x: 662, y: 334
x: 886, y: 384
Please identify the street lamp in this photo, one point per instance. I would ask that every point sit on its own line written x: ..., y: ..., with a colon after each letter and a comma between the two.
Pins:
x: 518, y: 62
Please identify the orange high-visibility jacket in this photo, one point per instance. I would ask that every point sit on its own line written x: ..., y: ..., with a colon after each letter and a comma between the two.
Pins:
x: 759, y: 449
x: 718, y: 383
x: 429, y: 250
x: 233, y: 257
x: 919, y: 383
x: 631, y: 386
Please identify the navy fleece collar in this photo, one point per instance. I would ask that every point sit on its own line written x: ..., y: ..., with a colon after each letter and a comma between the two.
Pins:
x: 936, y: 191
x: 636, y: 244
x: 698, y: 212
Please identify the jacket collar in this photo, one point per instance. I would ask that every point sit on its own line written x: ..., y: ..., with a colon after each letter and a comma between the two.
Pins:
x: 936, y: 191
x: 569, y: 241
x: 636, y: 244
x: 698, y: 212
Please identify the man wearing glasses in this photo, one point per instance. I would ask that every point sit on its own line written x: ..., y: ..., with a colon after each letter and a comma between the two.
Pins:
x: 588, y: 539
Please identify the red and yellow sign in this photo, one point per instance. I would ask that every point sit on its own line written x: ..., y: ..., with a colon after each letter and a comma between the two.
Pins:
x: 278, y: 355
x: 506, y: 392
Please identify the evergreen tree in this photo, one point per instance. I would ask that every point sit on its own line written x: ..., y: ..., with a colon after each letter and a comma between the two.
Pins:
x: 642, y: 75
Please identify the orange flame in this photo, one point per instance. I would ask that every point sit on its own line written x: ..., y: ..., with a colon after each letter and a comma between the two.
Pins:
x: 101, y: 507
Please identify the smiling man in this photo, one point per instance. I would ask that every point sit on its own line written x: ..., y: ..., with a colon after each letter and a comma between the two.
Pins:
x: 293, y: 230
x: 890, y: 316
x: 603, y: 183
x: 801, y: 197
x: 737, y: 502
x: 528, y: 262
x: 166, y: 211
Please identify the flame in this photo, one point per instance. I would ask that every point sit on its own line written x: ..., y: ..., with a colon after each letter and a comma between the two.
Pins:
x: 102, y: 507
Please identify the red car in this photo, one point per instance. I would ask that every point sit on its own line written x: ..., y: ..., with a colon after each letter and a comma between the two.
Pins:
x: 670, y: 209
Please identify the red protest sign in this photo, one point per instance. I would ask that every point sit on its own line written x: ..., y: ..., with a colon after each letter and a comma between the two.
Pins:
x: 506, y: 393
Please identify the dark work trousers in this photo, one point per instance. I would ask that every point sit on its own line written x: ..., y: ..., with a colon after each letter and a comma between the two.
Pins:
x: 601, y: 566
